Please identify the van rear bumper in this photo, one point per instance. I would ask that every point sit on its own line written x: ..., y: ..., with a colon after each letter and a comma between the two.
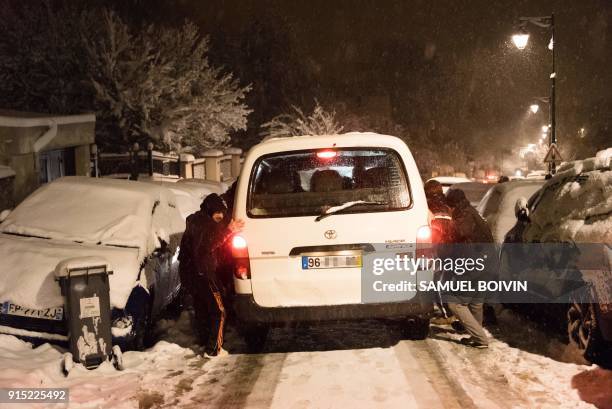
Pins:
x: 248, y: 311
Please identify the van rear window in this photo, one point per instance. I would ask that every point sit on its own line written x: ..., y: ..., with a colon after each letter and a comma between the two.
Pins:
x: 307, y: 183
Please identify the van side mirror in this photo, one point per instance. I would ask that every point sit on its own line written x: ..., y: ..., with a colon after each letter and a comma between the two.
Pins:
x: 520, y: 210
x: 4, y: 214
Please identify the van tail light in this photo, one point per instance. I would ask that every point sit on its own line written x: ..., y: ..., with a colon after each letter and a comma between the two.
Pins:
x: 240, y: 252
x: 424, y: 247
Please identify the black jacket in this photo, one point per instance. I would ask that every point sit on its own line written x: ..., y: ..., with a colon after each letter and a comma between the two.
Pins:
x: 441, y: 223
x: 469, y: 226
x: 202, y: 243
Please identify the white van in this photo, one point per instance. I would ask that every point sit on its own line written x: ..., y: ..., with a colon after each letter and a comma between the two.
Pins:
x: 312, y: 206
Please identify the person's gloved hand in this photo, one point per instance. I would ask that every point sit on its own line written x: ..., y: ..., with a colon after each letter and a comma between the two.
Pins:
x: 236, y: 226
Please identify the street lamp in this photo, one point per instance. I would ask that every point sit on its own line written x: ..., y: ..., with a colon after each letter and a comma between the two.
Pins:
x: 544, y: 128
x: 534, y: 108
x: 520, y: 40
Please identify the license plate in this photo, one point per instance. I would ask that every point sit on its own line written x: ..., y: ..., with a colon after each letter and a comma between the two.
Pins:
x: 314, y: 262
x: 55, y: 314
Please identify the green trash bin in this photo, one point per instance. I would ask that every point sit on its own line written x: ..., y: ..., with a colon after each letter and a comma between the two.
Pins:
x: 84, y: 285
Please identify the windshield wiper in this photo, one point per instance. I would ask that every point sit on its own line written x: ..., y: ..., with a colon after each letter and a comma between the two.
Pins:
x: 25, y: 235
x: 344, y: 206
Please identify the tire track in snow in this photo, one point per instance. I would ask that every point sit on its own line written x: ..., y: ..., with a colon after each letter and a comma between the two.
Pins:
x: 237, y: 381
x: 425, y: 370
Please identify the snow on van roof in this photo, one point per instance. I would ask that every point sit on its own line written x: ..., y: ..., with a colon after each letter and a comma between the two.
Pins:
x: 89, y: 210
x: 353, y: 136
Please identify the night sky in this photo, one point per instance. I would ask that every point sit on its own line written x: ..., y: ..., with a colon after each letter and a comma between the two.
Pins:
x: 445, y: 70
x: 447, y: 65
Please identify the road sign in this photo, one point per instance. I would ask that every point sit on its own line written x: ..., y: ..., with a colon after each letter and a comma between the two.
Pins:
x: 553, y: 155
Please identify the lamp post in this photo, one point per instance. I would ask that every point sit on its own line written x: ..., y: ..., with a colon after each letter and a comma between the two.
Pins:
x: 520, y: 40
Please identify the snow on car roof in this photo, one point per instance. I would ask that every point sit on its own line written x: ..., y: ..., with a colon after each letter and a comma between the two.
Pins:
x: 576, y: 203
x: 90, y: 210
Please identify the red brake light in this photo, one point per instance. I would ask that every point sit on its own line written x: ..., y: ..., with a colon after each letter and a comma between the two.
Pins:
x: 239, y: 243
x: 326, y: 154
x: 424, y: 234
x: 240, y: 251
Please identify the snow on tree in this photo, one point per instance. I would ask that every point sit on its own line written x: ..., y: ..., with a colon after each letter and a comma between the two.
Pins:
x: 145, y: 82
x: 156, y: 83
x: 319, y: 122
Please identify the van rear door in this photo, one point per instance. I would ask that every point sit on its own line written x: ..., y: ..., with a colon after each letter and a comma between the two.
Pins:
x: 312, y: 215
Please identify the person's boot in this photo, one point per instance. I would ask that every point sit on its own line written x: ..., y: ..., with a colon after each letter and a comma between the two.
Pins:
x: 474, y: 343
x: 458, y: 326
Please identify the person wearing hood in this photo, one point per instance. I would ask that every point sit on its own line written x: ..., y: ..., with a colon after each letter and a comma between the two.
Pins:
x: 440, y: 217
x: 473, y: 235
x: 441, y: 224
x: 201, y: 246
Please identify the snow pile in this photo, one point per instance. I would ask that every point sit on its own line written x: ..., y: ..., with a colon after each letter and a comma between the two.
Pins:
x: 525, y: 365
x: 576, y: 203
x: 157, y: 369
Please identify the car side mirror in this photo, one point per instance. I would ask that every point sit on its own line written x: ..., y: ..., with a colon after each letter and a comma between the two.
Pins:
x: 521, y: 211
x: 4, y: 214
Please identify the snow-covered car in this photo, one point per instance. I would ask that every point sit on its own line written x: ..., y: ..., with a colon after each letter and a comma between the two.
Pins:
x: 575, y: 206
x: 191, y: 192
x: 448, y: 181
x: 313, y: 206
x: 134, y: 226
x: 497, y: 206
x: 474, y: 191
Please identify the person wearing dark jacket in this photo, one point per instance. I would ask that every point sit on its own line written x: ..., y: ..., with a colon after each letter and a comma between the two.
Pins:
x: 472, y: 231
x: 441, y: 220
x: 202, y: 242
x: 441, y: 234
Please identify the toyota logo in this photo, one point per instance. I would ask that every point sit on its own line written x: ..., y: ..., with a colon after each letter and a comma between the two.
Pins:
x: 330, y: 234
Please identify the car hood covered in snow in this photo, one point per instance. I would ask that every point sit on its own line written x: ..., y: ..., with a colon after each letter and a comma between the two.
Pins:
x: 27, y: 270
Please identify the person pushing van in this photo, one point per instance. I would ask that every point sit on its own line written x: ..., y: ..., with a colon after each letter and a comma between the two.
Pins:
x: 201, y: 247
x: 472, y: 230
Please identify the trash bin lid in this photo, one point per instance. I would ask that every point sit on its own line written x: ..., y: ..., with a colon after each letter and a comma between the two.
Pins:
x: 82, y: 265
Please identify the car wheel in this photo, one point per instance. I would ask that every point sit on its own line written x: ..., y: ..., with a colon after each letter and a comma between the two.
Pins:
x: 254, y: 336
x: 416, y: 328
x: 583, y: 331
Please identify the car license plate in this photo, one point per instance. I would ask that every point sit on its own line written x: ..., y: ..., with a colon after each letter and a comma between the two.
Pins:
x: 314, y: 262
x: 56, y: 314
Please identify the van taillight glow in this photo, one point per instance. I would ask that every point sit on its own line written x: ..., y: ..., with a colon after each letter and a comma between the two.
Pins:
x: 242, y: 265
x: 239, y: 242
x: 423, y: 242
x: 326, y: 154
x: 424, y: 234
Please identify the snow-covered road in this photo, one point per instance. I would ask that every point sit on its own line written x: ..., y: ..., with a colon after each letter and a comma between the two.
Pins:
x: 353, y: 365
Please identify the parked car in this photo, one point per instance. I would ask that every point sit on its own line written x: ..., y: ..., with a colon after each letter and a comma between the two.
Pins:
x: 474, y: 191
x: 448, y: 181
x: 135, y: 226
x: 575, y: 206
x: 497, y: 206
x: 191, y: 192
x: 313, y: 206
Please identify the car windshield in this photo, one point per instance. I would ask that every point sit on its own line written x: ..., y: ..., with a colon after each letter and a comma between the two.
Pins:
x: 310, y: 182
x: 81, y: 212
